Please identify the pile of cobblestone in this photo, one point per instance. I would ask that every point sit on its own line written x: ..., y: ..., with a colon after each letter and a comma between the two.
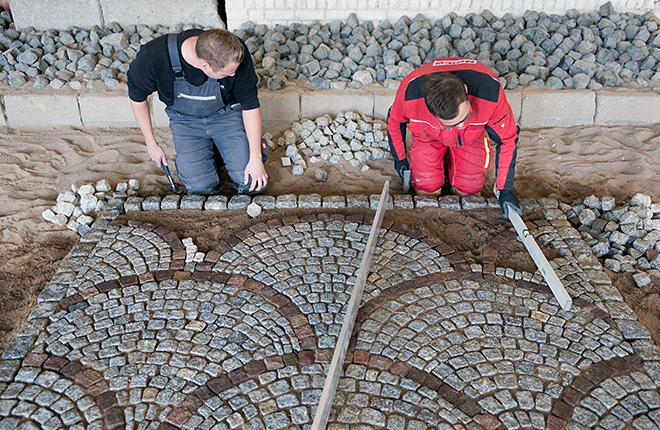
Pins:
x: 350, y: 136
x: 74, y: 208
x: 627, y: 236
x: 575, y: 50
x: 79, y: 57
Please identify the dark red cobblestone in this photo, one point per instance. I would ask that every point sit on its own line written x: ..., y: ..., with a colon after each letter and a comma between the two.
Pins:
x: 449, y: 394
x: 380, y: 362
x: 237, y: 376
x: 163, y: 275
x: 555, y: 423
x: 98, y: 388
x: 237, y: 280
x: 253, y: 286
x: 34, y: 360
x: 181, y: 275
x: 178, y: 264
x: 200, y: 276
x: 244, y: 234
x: 571, y: 396
x: 470, y: 408
x: 487, y: 421
x: 114, y: 419
x: 219, y: 384
x: 274, y: 223
x: 259, y: 228
x: 179, y: 416
x: 203, y: 267
x: 212, y: 256
x: 290, y: 220
x: 219, y: 277
x: 233, y: 241
x: 274, y: 363
x: 146, y: 277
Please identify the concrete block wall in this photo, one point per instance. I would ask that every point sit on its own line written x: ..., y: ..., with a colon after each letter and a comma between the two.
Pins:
x: 285, y: 12
x: 45, y: 14
x: 532, y: 108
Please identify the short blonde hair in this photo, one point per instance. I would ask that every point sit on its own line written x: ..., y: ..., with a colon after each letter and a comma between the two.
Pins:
x: 219, y: 48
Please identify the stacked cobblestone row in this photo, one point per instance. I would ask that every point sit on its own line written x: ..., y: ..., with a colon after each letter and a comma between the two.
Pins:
x: 79, y: 57
x: 626, y: 236
x: 304, y: 201
x: 350, y: 136
x: 74, y: 208
x: 129, y: 334
x: 576, y: 50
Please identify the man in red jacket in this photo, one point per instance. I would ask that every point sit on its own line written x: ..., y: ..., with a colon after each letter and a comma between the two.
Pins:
x: 449, y: 105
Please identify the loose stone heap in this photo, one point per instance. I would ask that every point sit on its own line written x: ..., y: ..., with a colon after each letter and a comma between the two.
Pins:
x: 627, y: 236
x: 73, y: 208
x: 575, y: 50
x: 355, y: 138
x: 75, y: 56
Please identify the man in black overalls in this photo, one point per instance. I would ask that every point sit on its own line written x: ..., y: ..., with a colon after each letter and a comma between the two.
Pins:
x: 208, y: 82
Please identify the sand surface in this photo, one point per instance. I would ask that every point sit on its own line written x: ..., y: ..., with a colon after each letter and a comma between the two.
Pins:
x: 38, y: 163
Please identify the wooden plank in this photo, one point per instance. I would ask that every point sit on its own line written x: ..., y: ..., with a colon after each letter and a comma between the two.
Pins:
x: 330, y: 387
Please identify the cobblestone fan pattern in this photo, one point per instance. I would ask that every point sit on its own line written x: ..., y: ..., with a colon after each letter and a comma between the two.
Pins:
x: 130, y: 334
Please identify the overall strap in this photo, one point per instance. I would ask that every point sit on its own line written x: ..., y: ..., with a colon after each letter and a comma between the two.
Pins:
x: 173, y: 50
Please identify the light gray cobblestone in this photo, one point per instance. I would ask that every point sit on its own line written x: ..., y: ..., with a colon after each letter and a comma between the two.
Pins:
x: 505, y: 346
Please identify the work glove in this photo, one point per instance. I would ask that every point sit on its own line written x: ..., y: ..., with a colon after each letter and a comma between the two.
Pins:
x: 401, y: 165
x: 508, y: 201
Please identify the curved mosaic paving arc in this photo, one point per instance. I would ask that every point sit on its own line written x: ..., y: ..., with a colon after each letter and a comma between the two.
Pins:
x: 242, y: 339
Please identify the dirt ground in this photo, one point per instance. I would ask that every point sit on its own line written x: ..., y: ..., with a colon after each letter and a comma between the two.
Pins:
x: 38, y: 163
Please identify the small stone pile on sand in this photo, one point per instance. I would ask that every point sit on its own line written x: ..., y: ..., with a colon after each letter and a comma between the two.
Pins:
x: 350, y: 136
x: 73, y: 208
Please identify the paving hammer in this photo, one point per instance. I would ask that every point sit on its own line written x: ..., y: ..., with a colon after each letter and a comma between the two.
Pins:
x: 173, y: 187
x: 406, y: 181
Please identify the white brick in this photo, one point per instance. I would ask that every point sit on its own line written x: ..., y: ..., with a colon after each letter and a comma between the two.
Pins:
x: 256, y: 15
x: 203, y: 12
x: 45, y: 14
x: 106, y: 111
x: 382, y: 103
x: 567, y: 108
x: 279, y: 106
x: 621, y: 108
x: 309, y: 15
x: 316, y: 103
x: 40, y: 110
x: 158, y: 116
x: 514, y: 98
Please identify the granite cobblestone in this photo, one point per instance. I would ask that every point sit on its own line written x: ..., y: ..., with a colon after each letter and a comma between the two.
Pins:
x: 244, y: 336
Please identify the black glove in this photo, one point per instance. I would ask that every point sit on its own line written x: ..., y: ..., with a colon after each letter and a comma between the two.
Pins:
x: 401, y: 165
x: 508, y: 201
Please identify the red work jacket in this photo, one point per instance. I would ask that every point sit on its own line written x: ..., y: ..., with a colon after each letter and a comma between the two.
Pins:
x: 490, y: 111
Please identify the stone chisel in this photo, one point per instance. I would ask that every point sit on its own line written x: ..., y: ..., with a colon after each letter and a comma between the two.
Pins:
x: 546, y: 270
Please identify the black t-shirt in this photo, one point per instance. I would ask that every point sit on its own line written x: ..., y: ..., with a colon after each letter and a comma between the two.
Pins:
x: 151, y: 71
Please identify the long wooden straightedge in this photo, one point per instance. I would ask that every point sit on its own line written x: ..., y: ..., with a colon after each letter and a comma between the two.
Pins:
x: 330, y: 387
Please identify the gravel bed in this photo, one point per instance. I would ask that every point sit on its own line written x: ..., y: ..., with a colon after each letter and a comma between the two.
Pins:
x: 574, y: 50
